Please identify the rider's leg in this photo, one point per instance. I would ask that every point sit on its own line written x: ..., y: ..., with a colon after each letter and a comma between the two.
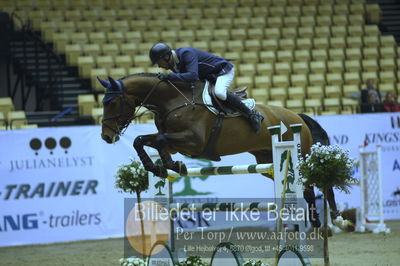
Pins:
x: 221, y: 91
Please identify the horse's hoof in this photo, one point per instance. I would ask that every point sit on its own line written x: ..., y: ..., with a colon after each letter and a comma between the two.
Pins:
x: 182, y: 169
x: 160, y: 172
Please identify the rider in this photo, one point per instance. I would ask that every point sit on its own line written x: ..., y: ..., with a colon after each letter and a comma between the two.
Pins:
x: 189, y: 65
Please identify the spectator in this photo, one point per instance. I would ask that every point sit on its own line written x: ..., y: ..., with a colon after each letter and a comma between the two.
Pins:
x: 363, y: 95
x: 390, y: 103
x: 372, y: 105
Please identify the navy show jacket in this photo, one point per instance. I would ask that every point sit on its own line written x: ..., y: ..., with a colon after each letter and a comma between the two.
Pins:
x: 195, y: 64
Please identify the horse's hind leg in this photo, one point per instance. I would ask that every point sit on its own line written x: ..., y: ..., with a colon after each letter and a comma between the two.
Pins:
x: 263, y: 156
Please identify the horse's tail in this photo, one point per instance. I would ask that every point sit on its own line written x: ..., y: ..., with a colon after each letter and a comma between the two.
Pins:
x: 318, y: 133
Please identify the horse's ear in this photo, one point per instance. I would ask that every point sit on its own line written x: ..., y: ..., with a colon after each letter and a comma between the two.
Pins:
x: 104, y: 83
x: 113, y: 83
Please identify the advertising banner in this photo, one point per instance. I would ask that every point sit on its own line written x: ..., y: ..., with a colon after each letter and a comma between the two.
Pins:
x: 57, y: 184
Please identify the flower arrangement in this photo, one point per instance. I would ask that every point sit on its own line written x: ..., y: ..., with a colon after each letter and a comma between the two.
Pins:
x: 254, y: 263
x: 327, y: 166
x: 193, y: 261
x: 132, y: 261
x: 132, y: 177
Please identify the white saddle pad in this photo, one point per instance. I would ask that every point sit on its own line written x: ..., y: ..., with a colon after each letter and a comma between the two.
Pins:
x: 250, y: 103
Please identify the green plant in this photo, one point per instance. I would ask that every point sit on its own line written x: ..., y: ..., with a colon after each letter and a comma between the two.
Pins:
x: 132, y: 177
x: 327, y: 166
x: 193, y: 261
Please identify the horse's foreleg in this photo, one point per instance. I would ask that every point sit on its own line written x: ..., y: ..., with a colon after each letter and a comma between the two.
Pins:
x: 177, y: 166
x: 336, y: 215
x: 309, y: 196
x: 148, y: 164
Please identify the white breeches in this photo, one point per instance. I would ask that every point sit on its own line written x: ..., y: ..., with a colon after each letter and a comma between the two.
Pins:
x: 223, y: 83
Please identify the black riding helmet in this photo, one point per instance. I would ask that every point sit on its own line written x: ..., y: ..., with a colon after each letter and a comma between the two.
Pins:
x: 158, y: 51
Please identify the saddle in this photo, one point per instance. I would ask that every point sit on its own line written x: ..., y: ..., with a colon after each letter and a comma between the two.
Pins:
x: 217, y: 106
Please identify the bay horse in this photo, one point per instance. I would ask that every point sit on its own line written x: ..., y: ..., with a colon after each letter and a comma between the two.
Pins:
x: 184, y: 125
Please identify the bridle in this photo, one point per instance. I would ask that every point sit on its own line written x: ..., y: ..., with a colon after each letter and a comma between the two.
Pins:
x: 122, y: 125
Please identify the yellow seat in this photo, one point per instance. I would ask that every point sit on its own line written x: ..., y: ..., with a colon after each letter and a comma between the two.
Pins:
x: 218, y: 46
x: 270, y: 44
x: 245, y: 81
x: 387, y: 40
x: 141, y: 61
x: 29, y: 126
x: 259, y: 95
x: 369, y: 65
x: 275, y: 21
x: 352, y: 78
x: 300, y: 67
x: 91, y: 49
x: 281, y: 81
x: 370, y: 53
x: 276, y: 103
x: 85, y: 65
x: 16, y: 119
x: 223, y: 23
x: 302, y: 55
x: 277, y: 10
x: 340, y: 20
x: 120, y: 25
x: 264, y: 68
x: 371, y: 30
x: 387, y: 52
x: 102, y: 25
x: 241, y: 22
x: 349, y: 89
x: 307, y: 21
x: 283, y: 68
x: 336, y: 54
x: 319, y: 54
x: 238, y: 34
x: 72, y: 52
x: 151, y: 36
x: 134, y: 70
x: 352, y: 65
x: 278, y: 93
x: 61, y: 39
x: 321, y: 43
x: 98, y: 72
x: 297, y: 92
x: 371, y: 41
x: 317, y: 79
x: 317, y: 66
x: 118, y: 72
x: 267, y: 56
x: 309, y: 10
x: 339, y: 31
x: 387, y: 87
x: 292, y: 21
x: 123, y: 61
x: 335, y: 66
x: 296, y: 105
x: 86, y: 102
x: 337, y: 42
x: 313, y: 105
x: 287, y: 44
x: 247, y: 69
x: 255, y: 33
x: 315, y: 91
x: 233, y: 45
x: 250, y: 57
x: 356, y: 30
x: 252, y: 45
x: 116, y: 37
x: 369, y: 75
x: 349, y: 105
x: 105, y: 61
x: 387, y: 64
x: 303, y: 43
x: 3, y: 121
x: 6, y: 106
x: 285, y: 56
x: 353, y: 53
x: 262, y: 81
x: 333, y: 90
x: 128, y: 48
x: 289, y: 32
x: 186, y: 35
x: 354, y: 42
x: 204, y: 35
x: 258, y: 22
x: 334, y: 79
x: 325, y: 10
x: 154, y: 24
x: 133, y: 37
x: 388, y: 76
x: 272, y: 33
x: 322, y: 31
x: 298, y: 80
x: 332, y: 104
x: 79, y: 37
x: 373, y: 13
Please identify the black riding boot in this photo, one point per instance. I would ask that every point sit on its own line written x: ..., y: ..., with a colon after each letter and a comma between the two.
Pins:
x: 255, y: 118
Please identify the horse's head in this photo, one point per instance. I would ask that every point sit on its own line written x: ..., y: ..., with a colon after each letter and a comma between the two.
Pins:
x: 118, y: 110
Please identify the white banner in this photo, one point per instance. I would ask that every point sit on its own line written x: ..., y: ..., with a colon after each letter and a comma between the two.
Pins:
x: 57, y: 184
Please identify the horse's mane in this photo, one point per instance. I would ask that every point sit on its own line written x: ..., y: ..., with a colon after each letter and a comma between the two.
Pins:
x: 151, y: 75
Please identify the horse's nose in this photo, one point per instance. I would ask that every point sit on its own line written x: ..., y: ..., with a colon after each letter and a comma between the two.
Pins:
x: 106, y: 138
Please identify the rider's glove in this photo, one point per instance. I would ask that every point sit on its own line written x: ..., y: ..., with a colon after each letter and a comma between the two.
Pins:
x: 162, y: 76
